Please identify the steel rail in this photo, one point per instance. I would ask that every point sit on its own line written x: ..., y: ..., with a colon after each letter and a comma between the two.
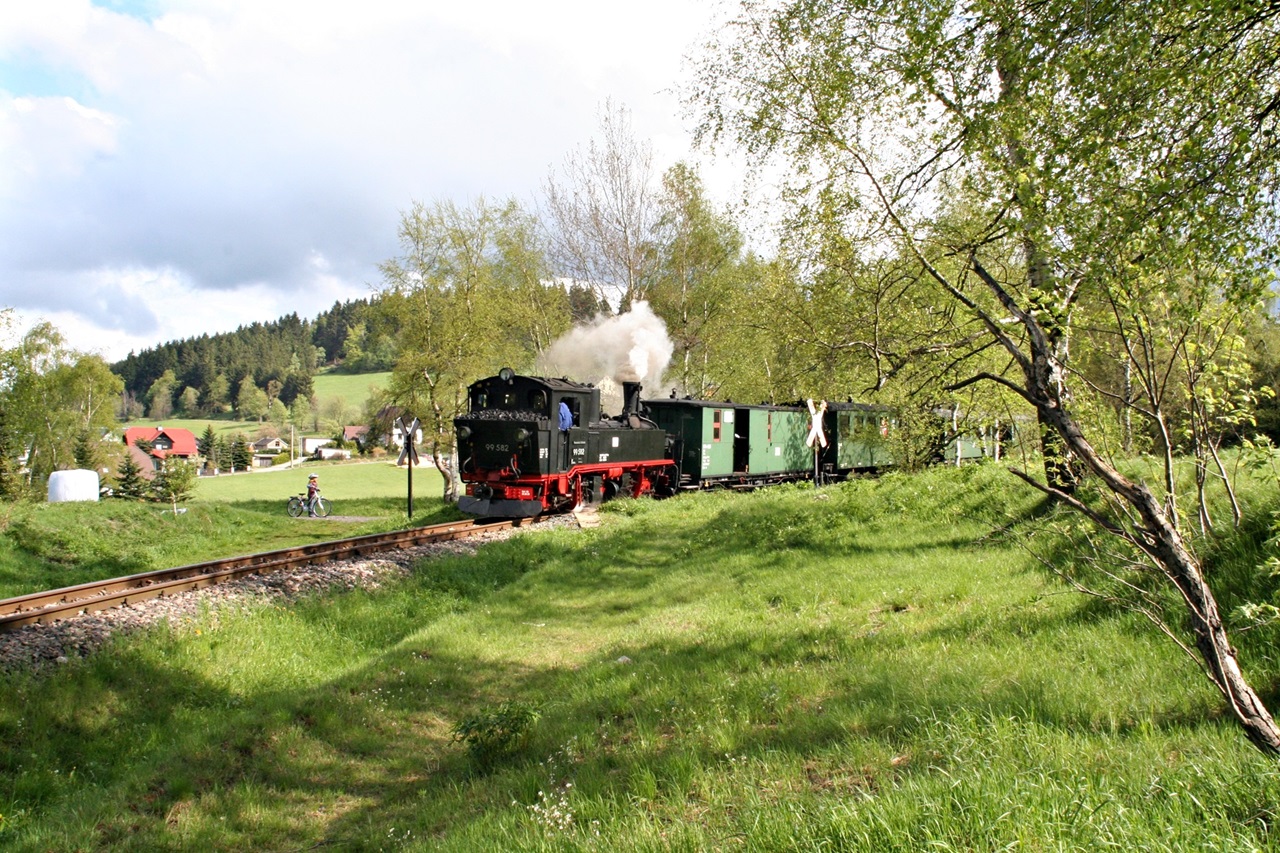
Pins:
x: 65, y: 603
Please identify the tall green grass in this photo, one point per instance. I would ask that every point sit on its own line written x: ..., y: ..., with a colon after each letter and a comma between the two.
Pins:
x: 877, y: 665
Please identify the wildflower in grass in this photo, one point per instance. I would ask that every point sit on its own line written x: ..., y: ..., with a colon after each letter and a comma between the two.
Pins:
x: 552, y: 811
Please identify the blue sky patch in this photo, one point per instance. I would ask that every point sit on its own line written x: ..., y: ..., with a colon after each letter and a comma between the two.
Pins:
x: 144, y: 10
x: 25, y: 78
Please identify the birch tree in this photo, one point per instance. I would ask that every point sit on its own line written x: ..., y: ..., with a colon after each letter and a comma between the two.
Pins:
x: 1108, y: 143
x: 470, y: 288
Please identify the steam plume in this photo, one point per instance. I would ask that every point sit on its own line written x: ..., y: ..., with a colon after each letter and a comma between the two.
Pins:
x: 631, y: 347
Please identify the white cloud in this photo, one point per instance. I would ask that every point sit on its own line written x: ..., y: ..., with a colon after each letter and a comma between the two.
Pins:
x: 221, y: 147
x: 141, y: 307
x: 50, y: 139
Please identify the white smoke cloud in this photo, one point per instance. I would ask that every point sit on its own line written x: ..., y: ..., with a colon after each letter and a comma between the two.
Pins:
x: 631, y: 347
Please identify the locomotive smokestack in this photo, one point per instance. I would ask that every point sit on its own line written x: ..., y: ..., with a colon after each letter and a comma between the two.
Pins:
x: 630, y: 398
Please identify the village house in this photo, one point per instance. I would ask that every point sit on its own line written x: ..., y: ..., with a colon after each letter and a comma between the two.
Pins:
x: 270, y: 446
x: 159, y: 444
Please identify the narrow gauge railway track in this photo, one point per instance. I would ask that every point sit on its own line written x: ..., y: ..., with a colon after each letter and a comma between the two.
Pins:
x: 65, y: 603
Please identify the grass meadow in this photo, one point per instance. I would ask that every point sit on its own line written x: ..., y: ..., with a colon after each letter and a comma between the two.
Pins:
x: 880, y: 665
x: 352, y: 388
x: 47, y: 546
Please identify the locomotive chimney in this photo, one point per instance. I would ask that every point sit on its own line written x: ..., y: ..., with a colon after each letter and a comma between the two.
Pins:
x: 630, y: 398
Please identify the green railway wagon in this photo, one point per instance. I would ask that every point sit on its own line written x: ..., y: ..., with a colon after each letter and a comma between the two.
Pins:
x: 861, y: 434
x: 777, y: 441
x: 703, y: 448
x: 725, y: 443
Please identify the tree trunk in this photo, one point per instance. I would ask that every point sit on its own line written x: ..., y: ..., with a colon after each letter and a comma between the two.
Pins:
x: 444, y: 465
x: 1160, y: 540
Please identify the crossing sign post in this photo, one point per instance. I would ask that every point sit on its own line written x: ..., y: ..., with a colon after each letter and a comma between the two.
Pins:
x: 409, y: 452
x: 817, y: 438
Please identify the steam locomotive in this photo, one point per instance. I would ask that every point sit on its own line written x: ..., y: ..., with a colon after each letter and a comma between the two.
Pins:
x: 531, y: 445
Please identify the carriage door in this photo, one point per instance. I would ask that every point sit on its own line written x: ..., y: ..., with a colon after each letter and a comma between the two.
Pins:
x: 739, y: 421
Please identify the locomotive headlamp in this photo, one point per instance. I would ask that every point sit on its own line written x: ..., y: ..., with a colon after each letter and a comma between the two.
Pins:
x: 506, y: 374
x: 522, y: 434
x: 464, y: 432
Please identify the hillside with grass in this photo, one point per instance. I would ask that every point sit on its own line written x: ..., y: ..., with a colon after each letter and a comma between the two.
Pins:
x: 886, y: 664
x: 352, y: 388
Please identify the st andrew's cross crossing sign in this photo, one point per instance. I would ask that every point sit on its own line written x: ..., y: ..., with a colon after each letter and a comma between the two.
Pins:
x: 409, y: 453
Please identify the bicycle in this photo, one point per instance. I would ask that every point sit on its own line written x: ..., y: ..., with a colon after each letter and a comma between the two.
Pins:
x: 298, y: 506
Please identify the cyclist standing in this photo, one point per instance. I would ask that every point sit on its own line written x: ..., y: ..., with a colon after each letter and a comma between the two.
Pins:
x: 313, y: 492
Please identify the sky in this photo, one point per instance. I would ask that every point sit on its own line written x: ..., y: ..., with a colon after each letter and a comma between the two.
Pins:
x: 175, y: 167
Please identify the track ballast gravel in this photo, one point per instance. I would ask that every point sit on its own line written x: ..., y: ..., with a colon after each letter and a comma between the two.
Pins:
x: 35, y: 647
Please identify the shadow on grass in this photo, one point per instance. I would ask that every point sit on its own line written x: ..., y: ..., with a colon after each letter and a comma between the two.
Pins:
x: 371, y: 749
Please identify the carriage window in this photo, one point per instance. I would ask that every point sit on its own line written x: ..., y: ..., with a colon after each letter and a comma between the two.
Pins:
x: 715, y: 425
x: 538, y: 401
x: 480, y: 402
x: 769, y: 427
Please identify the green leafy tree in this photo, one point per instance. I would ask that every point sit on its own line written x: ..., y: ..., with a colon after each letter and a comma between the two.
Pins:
x: 175, y: 481
x: 160, y: 395
x: 1100, y: 152
x: 469, y: 291
x: 11, y: 482
x: 51, y: 395
x: 700, y: 268
x: 251, y: 401
x: 334, y: 413
x: 215, y: 395
x: 189, y: 401
x: 302, y: 414
x: 278, y: 414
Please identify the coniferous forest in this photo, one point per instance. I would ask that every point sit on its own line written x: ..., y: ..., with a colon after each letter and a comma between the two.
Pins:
x: 286, y: 351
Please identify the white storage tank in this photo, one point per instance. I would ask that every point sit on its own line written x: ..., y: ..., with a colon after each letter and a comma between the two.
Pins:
x: 76, y: 485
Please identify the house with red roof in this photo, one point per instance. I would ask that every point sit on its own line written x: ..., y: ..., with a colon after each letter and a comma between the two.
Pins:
x: 164, y: 443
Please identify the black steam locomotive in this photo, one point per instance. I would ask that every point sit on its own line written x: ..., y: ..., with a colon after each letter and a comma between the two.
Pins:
x: 531, y: 445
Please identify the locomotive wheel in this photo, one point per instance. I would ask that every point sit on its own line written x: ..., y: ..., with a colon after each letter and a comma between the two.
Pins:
x: 611, y: 489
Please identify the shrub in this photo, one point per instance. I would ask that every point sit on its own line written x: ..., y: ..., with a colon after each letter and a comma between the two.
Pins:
x: 492, y: 734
